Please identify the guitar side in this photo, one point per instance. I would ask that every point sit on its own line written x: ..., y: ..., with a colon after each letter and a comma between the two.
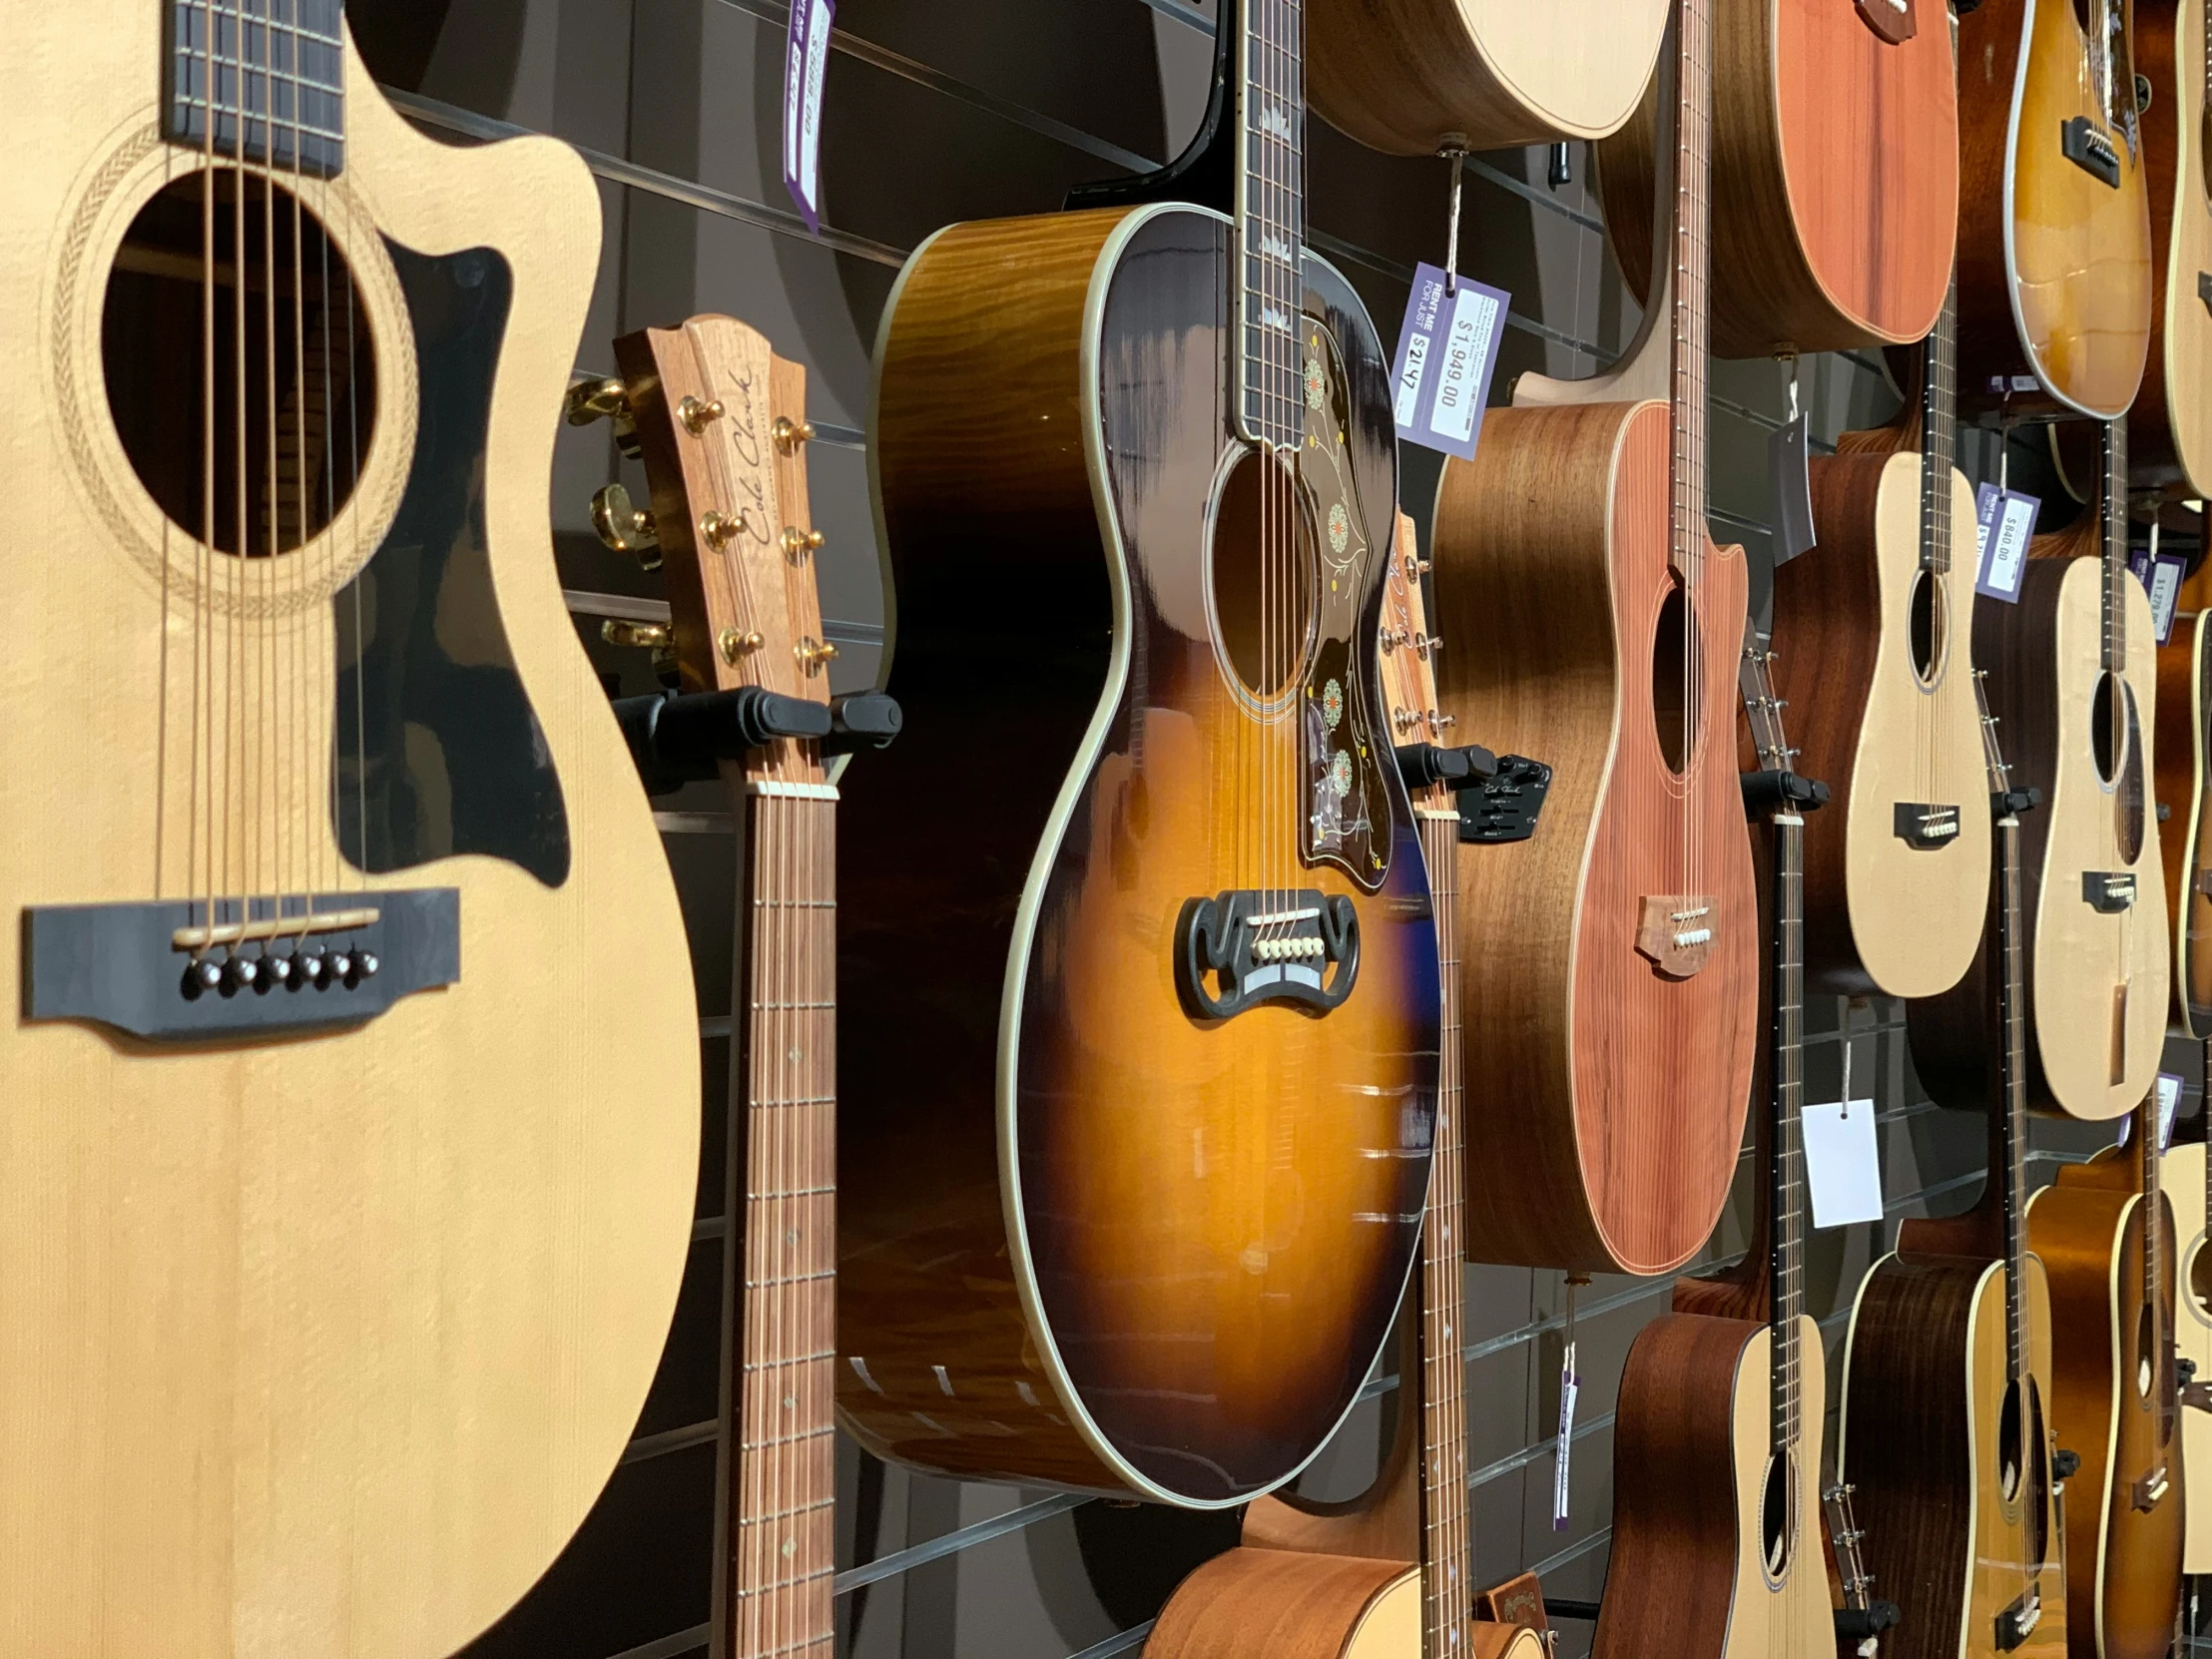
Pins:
x: 2170, y: 425
x: 2184, y: 728
x: 2185, y: 1186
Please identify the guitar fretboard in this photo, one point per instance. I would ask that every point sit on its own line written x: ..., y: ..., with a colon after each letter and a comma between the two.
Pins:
x: 1939, y: 434
x: 1692, y: 263
x: 272, y: 72
x: 1787, y: 1171
x: 2115, y: 561
x: 2013, y: 1019
x: 1271, y: 222
x: 784, y: 1479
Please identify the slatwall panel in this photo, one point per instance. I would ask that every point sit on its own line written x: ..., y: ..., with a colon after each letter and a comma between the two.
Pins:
x: 972, y: 108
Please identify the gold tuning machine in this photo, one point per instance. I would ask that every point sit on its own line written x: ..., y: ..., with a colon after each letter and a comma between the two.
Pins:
x: 789, y: 434
x: 697, y: 416
x: 719, y: 530
x: 1415, y: 567
x: 645, y: 636
x: 814, y: 655
x: 624, y: 527
x: 799, y: 543
x: 734, y: 647
x: 593, y: 398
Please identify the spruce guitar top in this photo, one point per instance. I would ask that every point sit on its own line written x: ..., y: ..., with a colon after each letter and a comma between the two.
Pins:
x: 354, y: 1105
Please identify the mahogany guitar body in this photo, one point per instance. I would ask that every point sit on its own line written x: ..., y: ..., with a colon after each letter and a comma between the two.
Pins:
x: 1615, y: 1092
x: 2183, y: 1169
x: 1926, y: 1433
x: 2054, y: 262
x: 1690, y: 1473
x: 2123, y: 1547
x: 2098, y: 976
x: 1403, y: 75
x: 2170, y: 425
x: 1097, y: 1236
x: 2184, y: 752
x: 1876, y: 666
x: 1253, y: 1603
x: 1835, y: 180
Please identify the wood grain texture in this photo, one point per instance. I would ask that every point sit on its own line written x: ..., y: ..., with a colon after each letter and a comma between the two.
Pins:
x: 1270, y: 1604
x: 2183, y: 775
x: 2054, y: 271
x: 2123, y: 1564
x: 1401, y: 76
x: 1881, y: 914
x: 1835, y: 180
x: 325, y: 1346
x: 2170, y: 425
x: 1616, y: 1094
x: 1098, y: 1243
x: 1923, y: 1396
x: 2185, y: 1186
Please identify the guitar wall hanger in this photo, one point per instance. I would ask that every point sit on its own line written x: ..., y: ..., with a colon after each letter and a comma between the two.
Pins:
x: 678, y: 738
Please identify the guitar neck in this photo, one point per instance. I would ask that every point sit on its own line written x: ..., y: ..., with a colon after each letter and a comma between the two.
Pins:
x: 1446, y: 1539
x: 2150, y: 1155
x: 1938, y: 433
x: 2012, y: 1082
x: 2115, y: 557
x: 783, y: 1475
x: 1692, y: 267
x: 1271, y: 220
x: 1786, y: 1169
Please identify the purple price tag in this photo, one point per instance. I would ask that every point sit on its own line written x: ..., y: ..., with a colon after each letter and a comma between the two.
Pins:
x: 1447, y: 353
x: 2004, y: 523
x: 2161, y: 579
x: 806, y: 58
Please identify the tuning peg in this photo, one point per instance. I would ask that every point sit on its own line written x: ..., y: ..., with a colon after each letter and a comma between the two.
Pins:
x: 623, y: 527
x: 647, y: 636
x: 1442, y: 722
x: 1390, y: 638
x: 592, y: 400
x: 696, y: 416
x: 734, y: 647
x: 814, y: 655
x: 799, y: 543
x: 1403, y: 719
x: 719, y: 530
x: 789, y: 434
x: 1428, y: 645
x: 1417, y: 567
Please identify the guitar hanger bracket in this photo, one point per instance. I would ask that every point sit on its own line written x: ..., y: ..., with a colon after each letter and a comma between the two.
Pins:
x: 678, y: 738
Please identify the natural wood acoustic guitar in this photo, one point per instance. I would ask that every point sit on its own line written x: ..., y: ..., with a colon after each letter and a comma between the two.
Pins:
x: 2183, y: 777
x: 721, y: 423
x: 1612, y: 957
x: 2055, y: 248
x: 2170, y: 425
x: 1879, y: 620
x: 1836, y: 179
x: 2106, y: 1238
x: 1141, y: 1223
x: 1389, y: 1575
x: 1415, y: 77
x: 2072, y: 680
x: 352, y: 1068
x: 2187, y: 1180
x: 1943, y: 1435
x: 1717, y: 1542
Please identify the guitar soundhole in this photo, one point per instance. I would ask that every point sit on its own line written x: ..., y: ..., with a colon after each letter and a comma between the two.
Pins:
x: 2198, y: 1280
x: 1674, y: 669
x: 1929, y: 623
x: 1263, y: 570
x: 2038, y: 1452
x: 2010, y: 1459
x: 2115, y: 743
x: 2146, y: 1357
x: 1775, y: 1510
x: 289, y: 372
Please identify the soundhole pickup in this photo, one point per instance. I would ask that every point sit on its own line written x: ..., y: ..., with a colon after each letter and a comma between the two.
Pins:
x: 1926, y: 827
x: 1242, y: 948
x: 2018, y: 1621
x: 1506, y: 804
x: 2151, y: 1489
x: 168, y: 972
x: 2084, y: 143
x: 1676, y: 932
x: 2108, y: 892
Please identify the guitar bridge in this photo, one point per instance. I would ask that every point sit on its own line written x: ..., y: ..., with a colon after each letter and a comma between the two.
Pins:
x: 2151, y: 1489
x: 2108, y: 892
x: 1922, y: 824
x: 1676, y: 932
x: 2018, y: 1621
x: 2084, y: 143
x: 1242, y: 948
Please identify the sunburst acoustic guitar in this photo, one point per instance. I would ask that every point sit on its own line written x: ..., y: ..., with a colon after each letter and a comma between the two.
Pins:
x: 1837, y: 180
x: 1143, y: 1221
x: 1574, y: 546
x: 352, y: 1078
x: 2170, y: 424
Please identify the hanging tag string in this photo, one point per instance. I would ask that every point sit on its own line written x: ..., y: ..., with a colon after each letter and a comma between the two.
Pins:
x: 1457, y: 153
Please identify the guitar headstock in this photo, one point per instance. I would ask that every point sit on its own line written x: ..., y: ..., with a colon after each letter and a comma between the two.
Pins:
x: 1755, y: 679
x: 1407, y: 651
x: 722, y: 424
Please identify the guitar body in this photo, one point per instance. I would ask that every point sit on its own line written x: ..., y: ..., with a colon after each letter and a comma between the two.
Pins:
x: 2054, y: 263
x: 2097, y: 979
x: 2184, y: 733
x: 1690, y: 1470
x: 2124, y: 1562
x: 1927, y: 1439
x: 2170, y: 425
x: 1834, y: 181
x: 1403, y: 75
x: 1253, y: 1603
x: 1099, y: 1241
x: 321, y: 1338
x: 1616, y: 1093
x: 1876, y: 664
x: 2184, y: 1188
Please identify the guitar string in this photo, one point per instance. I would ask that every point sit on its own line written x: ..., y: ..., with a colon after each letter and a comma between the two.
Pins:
x: 267, y: 830
x: 203, y: 572
x: 291, y: 629
x: 234, y: 741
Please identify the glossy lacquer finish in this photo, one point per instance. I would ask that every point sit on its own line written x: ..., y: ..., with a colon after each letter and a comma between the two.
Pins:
x: 2170, y: 426
x: 2185, y: 1189
x: 2184, y: 750
x: 1085, y: 1238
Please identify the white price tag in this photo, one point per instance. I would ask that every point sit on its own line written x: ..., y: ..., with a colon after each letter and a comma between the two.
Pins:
x: 805, y: 61
x: 1842, y: 1166
x: 2004, y: 523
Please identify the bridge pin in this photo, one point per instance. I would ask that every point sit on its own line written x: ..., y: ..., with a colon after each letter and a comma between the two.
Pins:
x: 342, y: 966
x: 315, y: 969
x: 243, y: 974
x: 210, y: 974
x: 279, y: 969
x: 365, y: 963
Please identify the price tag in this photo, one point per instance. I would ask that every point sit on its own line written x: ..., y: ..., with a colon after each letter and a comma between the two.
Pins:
x: 2160, y: 574
x: 805, y: 59
x: 1842, y: 1166
x: 1792, y: 477
x: 2169, y: 1103
x: 1447, y: 353
x: 2004, y: 523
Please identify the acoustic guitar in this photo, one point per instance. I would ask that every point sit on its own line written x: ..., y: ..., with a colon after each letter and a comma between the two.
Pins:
x: 1387, y: 1576
x: 2106, y: 1237
x: 1880, y: 616
x: 2054, y: 249
x: 1948, y: 1368
x: 1717, y: 1544
x: 2071, y: 681
x: 2187, y: 1183
x: 721, y: 423
x: 2170, y: 425
x: 2183, y: 776
x: 1141, y: 1223
x: 352, y: 1081
x: 1415, y: 77
x: 1837, y: 176
x: 1611, y: 957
